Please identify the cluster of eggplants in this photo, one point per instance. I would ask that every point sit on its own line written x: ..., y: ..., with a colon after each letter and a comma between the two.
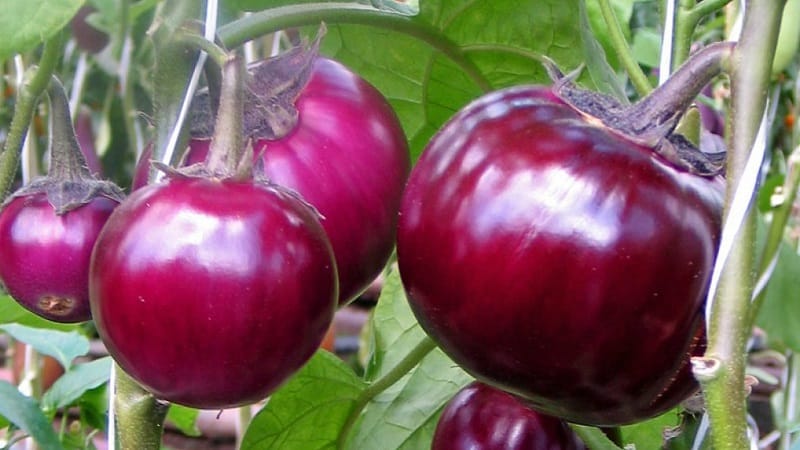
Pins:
x: 558, y: 245
x: 225, y: 260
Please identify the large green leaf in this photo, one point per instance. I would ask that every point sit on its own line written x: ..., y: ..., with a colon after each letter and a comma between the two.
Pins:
x: 405, y: 415
x: 25, y: 24
x: 24, y: 412
x: 309, y: 411
x: 502, y: 38
x: 75, y: 382
x: 64, y: 346
x: 780, y: 313
x: 430, y: 65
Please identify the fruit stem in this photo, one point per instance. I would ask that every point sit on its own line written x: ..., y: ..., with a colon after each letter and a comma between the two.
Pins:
x: 140, y: 416
x: 721, y: 371
x: 670, y: 100
x: 67, y: 162
x: 28, y: 96
x: 593, y: 437
x: 780, y: 217
x: 271, y: 20
x: 623, y: 50
x: 411, y: 360
x: 227, y: 155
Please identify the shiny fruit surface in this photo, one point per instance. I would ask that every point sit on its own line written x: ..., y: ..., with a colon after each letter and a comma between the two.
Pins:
x: 348, y: 157
x: 557, y: 260
x: 44, y: 257
x: 211, y: 293
x: 480, y: 417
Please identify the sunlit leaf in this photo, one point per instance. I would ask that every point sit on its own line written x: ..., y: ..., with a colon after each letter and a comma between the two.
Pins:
x: 309, y: 411
x: 26, y: 24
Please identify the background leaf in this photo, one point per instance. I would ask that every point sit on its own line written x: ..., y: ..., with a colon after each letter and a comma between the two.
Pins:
x: 405, y: 415
x: 26, y: 24
x: 184, y: 418
x: 780, y: 313
x: 501, y: 38
x: 395, y: 330
x: 24, y: 412
x: 64, y: 346
x: 309, y: 411
x: 75, y: 382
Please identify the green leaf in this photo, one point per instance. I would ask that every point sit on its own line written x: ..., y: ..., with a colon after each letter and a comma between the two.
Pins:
x: 185, y: 419
x: 646, y: 47
x: 61, y: 345
x: 623, y: 9
x: 395, y: 330
x: 405, y: 415
x: 12, y: 312
x: 309, y: 411
x: 600, y: 70
x: 26, y: 24
x: 75, y: 382
x: 650, y: 433
x: 23, y: 412
x: 503, y: 39
x: 780, y: 313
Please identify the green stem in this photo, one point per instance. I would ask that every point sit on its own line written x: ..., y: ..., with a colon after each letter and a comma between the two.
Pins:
x: 271, y: 20
x: 775, y: 234
x: 594, y: 437
x: 198, y: 42
x: 721, y: 371
x: 140, y: 416
x: 173, y: 67
x: 624, y: 53
x: 685, y: 24
x: 688, y: 15
x: 422, y: 349
x: 27, y: 98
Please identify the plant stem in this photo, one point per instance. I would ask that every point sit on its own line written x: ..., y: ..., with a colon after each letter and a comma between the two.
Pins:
x: 198, y: 42
x: 593, y: 437
x: 411, y: 360
x: 271, y: 20
x: 27, y: 98
x: 173, y: 67
x: 140, y: 416
x: 624, y: 53
x: 721, y: 371
x: 687, y: 17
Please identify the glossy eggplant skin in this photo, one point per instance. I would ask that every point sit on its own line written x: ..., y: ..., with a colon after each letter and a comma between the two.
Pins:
x: 557, y: 260
x: 480, y: 417
x: 211, y: 293
x: 348, y: 157
x: 44, y: 257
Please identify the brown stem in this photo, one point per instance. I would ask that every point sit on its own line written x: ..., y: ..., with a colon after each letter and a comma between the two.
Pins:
x: 67, y: 163
x: 226, y: 156
x: 669, y: 101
